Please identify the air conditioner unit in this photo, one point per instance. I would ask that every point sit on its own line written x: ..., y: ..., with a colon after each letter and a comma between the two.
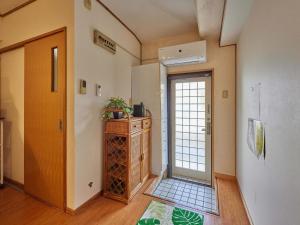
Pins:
x: 194, y: 52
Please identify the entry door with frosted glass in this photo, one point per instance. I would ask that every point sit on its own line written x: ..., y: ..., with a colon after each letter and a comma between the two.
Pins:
x: 191, y: 128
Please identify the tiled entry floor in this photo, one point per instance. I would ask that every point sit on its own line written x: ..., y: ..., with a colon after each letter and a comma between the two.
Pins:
x: 195, y: 196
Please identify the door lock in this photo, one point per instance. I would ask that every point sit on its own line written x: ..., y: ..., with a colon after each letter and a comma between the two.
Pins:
x: 208, y: 126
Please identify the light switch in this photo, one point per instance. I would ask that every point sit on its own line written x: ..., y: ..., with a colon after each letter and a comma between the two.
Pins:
x: 82, y: 88
x: 225, y: 94
x: 98, y: 90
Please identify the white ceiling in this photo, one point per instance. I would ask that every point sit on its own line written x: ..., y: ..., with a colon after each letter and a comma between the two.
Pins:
x: 154, y: 19
x: 6, y: 5
x: 235, y: 16
x: 209, y: 15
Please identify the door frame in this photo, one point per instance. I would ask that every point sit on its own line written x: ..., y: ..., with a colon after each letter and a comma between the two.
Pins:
x: 22, y: 44
x: 175, y: 76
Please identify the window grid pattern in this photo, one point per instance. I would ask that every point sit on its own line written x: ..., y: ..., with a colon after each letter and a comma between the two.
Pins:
x: 190, y: 125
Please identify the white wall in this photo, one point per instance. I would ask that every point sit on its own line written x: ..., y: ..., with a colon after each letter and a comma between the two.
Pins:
x: 146, y: 89
x: 269, y: 53
x: 113, y: 73
x: 12, y: 108
x: 149, y: 85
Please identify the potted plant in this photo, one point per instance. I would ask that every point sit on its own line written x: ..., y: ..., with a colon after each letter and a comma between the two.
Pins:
x: 116, y: 108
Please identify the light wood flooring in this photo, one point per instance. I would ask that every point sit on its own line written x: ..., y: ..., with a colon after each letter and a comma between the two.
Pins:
x: 17, y: 208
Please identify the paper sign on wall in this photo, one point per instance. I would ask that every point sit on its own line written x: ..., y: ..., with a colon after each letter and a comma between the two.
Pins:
x: 256, y: 137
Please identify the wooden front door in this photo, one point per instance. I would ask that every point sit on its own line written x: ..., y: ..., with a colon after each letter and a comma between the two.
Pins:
x: 45, y: 119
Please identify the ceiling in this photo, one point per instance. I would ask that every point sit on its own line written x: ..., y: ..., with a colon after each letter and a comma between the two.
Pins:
x: 154, y: 19
x: 209, y: 15
x: 235, y: 15
x: 7, y: 5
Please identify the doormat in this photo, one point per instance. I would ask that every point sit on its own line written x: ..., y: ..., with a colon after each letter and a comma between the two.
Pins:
x: 160, y: 213
x: 189, y: 195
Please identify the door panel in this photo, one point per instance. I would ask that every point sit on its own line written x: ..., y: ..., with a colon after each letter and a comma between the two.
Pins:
x: 191, y: 128
x: 44, y: 155
x: 146, y: 153
x: 136, y: 176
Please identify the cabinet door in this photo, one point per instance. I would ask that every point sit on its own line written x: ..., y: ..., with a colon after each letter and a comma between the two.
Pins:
x: 136, y: 146
x: 146, y: 154
x: 116, y: 164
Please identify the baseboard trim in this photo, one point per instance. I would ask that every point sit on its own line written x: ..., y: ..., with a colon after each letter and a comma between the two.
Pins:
x: 245, y: 204
x: 225, y: 176
x: 88, y: 202
x: 71, y: 212
x: 15, y: 183
x: 152, y: 186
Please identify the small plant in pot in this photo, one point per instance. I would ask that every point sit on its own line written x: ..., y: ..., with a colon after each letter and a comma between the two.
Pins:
x: 117, y: 108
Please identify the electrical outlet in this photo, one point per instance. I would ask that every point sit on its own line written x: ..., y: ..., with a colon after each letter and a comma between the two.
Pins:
x: 91, y: 184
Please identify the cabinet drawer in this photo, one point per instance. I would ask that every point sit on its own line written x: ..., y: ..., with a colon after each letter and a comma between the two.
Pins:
x: 116, y: 127
x: 146, y: 124
x: 136, y: 126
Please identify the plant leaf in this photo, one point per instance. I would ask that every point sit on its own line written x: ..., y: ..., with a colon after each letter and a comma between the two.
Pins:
x: 148, y: 221
x: 185, y: 217
x: 118, y: 104
x: 157, y: 210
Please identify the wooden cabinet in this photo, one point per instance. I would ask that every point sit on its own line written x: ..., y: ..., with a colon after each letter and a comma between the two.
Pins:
x: 126, y: 157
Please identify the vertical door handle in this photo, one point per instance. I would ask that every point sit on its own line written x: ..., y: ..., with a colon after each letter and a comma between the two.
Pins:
x: 61, y: 125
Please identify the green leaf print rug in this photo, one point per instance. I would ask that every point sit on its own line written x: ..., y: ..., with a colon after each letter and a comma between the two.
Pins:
x: 159, y: 213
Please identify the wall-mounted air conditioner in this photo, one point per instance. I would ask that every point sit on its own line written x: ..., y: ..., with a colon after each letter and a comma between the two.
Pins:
x: 194, y: 52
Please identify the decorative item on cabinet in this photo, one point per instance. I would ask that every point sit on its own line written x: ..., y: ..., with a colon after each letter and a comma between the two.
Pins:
x: 117, y: 108
x: 126, y: 156
x: 139, y: 110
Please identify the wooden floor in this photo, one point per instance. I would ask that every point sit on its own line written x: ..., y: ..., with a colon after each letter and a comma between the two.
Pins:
x: 17, y: 208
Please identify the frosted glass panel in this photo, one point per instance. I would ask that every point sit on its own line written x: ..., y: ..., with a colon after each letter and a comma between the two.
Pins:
x: 54, y: 69
x: 190, y: 125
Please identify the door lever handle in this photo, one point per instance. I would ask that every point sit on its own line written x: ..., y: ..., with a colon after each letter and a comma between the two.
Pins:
x: 208, y: 125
